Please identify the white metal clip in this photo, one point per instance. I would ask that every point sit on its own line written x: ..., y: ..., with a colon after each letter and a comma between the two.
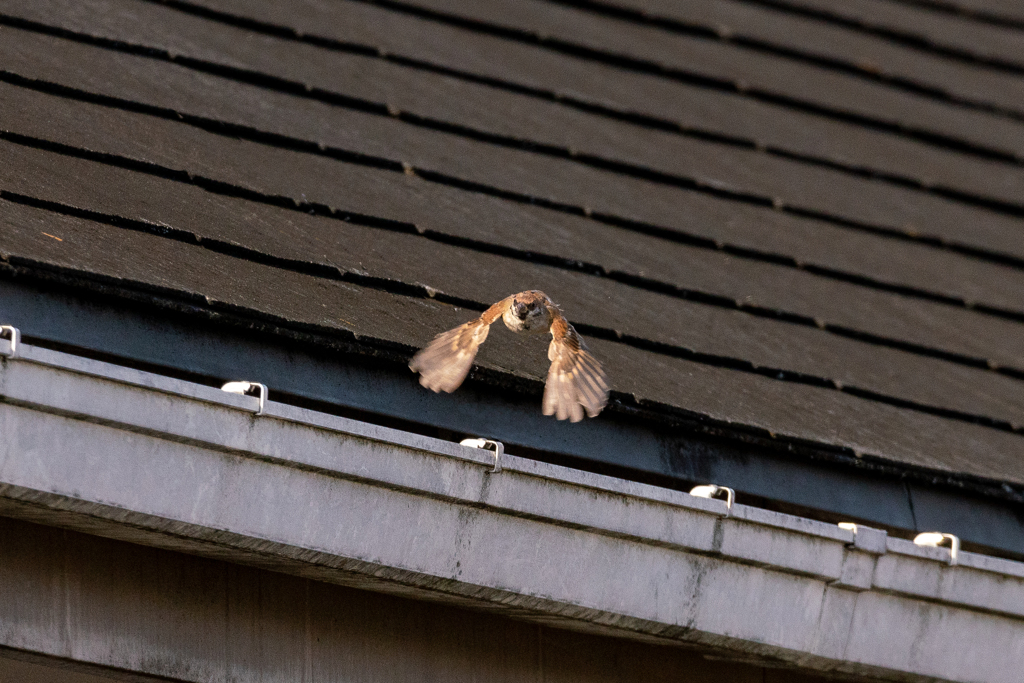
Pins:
x: 712, y: 491
x: 935, y: 538
x: 244, y: 388
x: 499, y: 450
x: 865, y: 538
x: 15, y: 335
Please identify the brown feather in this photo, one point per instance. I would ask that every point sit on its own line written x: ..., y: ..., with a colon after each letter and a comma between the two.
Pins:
x: 444, y: 363
x: 575, y: 380
x: 575, y: 383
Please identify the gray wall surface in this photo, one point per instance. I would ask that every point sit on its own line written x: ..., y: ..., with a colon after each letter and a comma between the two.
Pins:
x: 116, y: 609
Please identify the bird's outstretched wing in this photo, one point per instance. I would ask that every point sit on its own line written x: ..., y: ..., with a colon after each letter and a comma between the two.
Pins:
x: 445, y: 362
x: 576, y: 380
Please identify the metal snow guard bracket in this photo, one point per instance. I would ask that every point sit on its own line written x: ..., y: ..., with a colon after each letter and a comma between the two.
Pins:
x: 14, y: 334
x: 244, y: 387
x: 934, y: 538
x: 499, y: 450
x: 712, y: 491
x: 866, y: 538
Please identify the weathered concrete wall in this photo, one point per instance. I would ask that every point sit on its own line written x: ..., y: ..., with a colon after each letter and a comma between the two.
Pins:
x: 98, y: 603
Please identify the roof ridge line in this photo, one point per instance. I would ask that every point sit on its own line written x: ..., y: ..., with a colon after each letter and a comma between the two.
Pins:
x: 400, y: 288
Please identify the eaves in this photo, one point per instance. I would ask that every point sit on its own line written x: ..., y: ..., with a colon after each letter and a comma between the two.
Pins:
x: 159, y: 461
x: 359, y: 377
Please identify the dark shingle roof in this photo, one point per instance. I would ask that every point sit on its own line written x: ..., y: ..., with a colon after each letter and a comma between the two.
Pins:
x: 796, y: 217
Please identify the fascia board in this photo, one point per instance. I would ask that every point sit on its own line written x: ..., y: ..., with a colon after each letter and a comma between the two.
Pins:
x: 174, y: 457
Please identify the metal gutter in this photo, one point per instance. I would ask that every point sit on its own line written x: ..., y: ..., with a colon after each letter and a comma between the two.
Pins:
x: 159, y: 461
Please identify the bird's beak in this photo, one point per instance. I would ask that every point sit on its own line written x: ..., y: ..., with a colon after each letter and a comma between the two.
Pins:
x: 519, y: 309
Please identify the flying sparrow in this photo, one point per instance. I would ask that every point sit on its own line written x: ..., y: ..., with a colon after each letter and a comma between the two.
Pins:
x: 575, y: 381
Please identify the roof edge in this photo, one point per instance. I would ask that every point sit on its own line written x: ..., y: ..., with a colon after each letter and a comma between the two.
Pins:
x: 231, y: 317
x: 204, y: 469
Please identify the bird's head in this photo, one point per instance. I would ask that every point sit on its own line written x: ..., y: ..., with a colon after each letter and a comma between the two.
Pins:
x: 527, y: 312
x: 522, y: 309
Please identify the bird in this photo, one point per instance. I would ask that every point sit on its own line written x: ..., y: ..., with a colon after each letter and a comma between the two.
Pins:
x: 575, y: 383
